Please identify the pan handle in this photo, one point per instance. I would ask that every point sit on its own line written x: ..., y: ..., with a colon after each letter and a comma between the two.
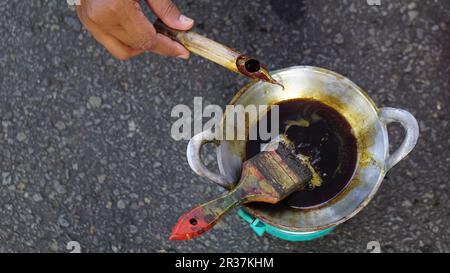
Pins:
x: 196, y: 163
x: 409, y: 123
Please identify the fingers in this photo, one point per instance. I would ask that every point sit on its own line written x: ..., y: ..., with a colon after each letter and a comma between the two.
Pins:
x: 124, y: 30
x: 170, y: 15
x: 167, y: 47
x: 118, y: 49
x: 159, y: 44
x: 143, y: 35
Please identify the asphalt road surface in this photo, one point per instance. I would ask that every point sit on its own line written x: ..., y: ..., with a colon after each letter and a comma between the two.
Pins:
x: 86, y: 152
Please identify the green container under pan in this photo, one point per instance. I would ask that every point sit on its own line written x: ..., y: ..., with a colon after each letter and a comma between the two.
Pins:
x: 260, y: 227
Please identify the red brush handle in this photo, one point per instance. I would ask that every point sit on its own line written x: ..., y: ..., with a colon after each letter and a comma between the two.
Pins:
x: 253, y: 187
x: 204, y: 217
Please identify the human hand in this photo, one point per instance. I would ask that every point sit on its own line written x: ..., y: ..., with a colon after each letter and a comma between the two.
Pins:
x: 123, y: 29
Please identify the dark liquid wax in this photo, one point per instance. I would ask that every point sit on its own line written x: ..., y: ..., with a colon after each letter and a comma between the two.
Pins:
x: 325, y: 137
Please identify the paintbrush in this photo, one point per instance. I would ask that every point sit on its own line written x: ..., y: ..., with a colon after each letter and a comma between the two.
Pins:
x: 269, y: 177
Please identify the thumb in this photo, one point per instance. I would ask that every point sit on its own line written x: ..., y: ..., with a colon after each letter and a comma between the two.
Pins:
x: 170, y: 15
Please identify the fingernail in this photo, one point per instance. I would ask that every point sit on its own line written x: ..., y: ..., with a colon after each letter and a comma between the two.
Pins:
x: 186, y: 20
x: 184, y: 57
